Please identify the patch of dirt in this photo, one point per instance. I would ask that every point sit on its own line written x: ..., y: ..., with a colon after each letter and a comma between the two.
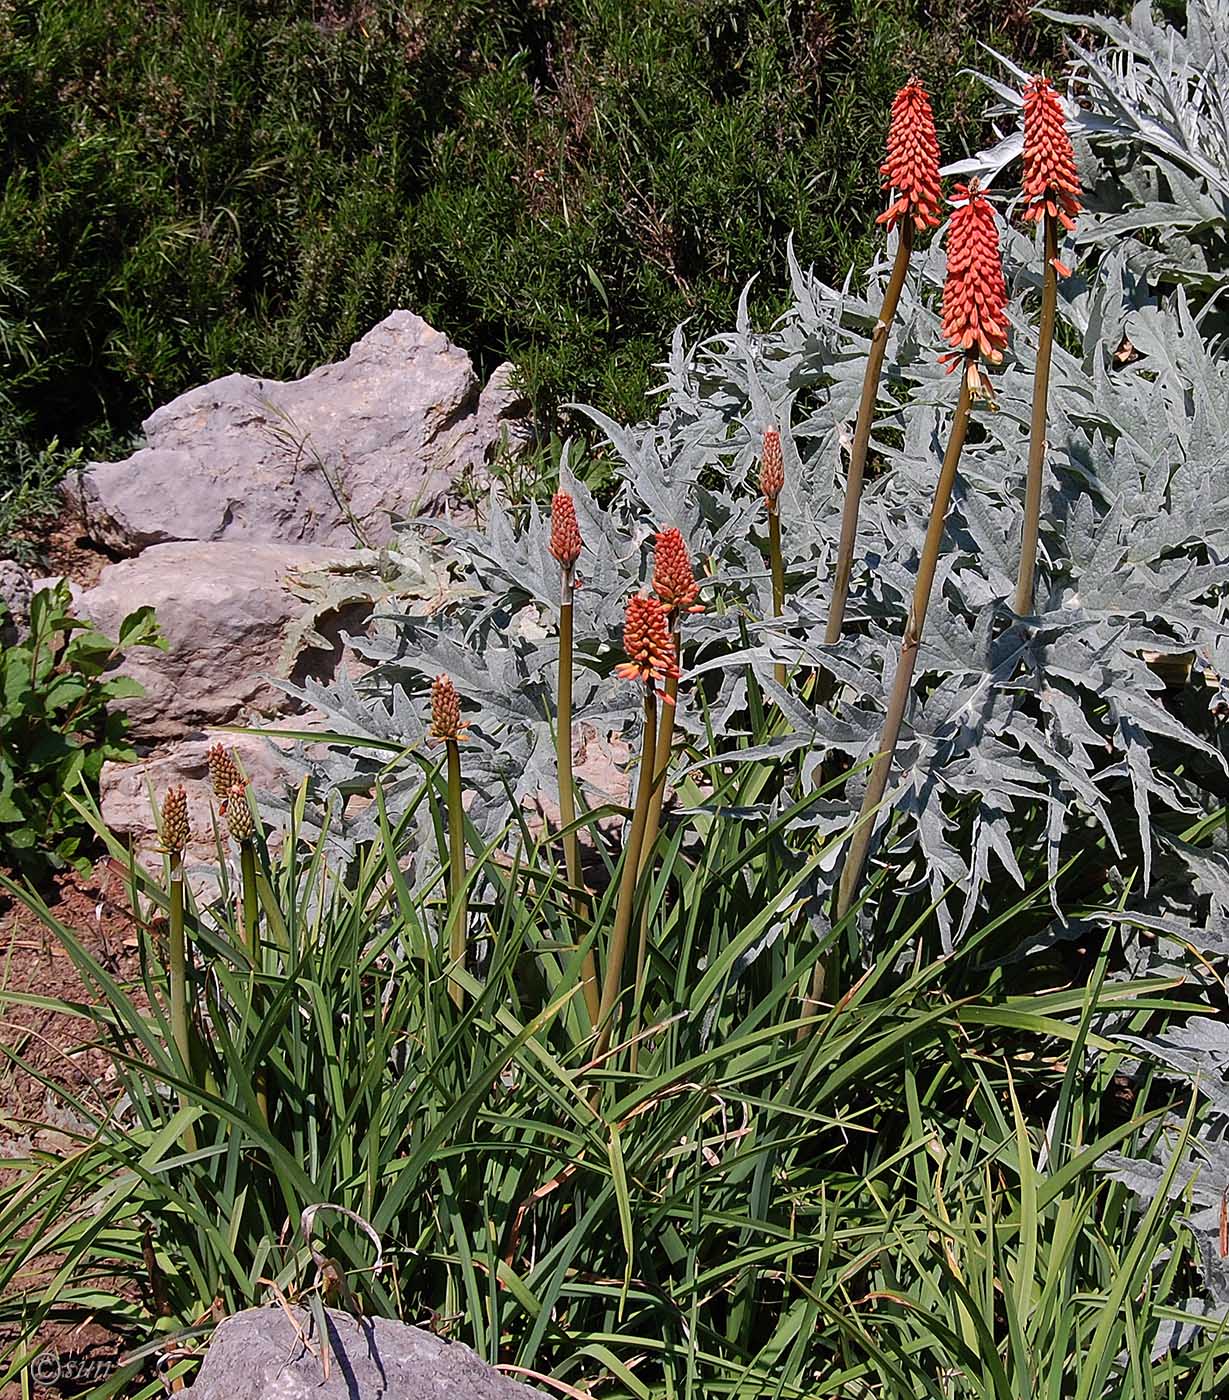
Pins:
x: 77, y: 1355
x: 96, y: 910
x: 69, y: 554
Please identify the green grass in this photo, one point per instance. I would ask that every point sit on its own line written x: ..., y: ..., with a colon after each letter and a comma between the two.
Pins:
x: 903, y: 1204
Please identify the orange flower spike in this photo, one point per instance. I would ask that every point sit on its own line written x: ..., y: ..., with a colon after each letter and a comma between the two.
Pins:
x: 772, y: 466
x: 647, y: 642
x: 565, y: 541
x: 446, y: 721
x: 975, y: 294
x: 1051, y: 185
x: 912, y: 165
x: 674, y: 580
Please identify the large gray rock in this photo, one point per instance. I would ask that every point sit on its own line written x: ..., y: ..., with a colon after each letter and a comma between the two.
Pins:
x: 229, y: 618
x: 380, y: 435
x: 261, y: 1355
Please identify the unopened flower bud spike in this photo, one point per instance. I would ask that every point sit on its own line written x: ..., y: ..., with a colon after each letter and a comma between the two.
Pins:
x: 772, y: 480
x: 175, y: 834
x: 565, y: 546
x: 448, y: 728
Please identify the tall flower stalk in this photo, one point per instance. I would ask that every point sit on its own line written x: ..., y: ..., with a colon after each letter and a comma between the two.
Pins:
x: 911, y: 171
x: 772, y: 480
x: 1052, y: 190
x: 975, y: 325
x: 230, y: 788
x: 651, y: 660
x: 674, y: 583
x: 448, y: 728
x: 175, y: 833
x: 565, y: 546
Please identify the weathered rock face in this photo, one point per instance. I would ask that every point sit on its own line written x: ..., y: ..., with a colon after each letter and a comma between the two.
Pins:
x: 228, y: 618
x: 15, y: 592
x: 321, y: 460
x: 259, y: 1355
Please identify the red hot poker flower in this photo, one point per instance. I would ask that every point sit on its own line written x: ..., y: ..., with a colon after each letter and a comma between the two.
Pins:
x: 975, y: 294
x: 1051, y: 185
x: 446, y: 721
x: 565, y: 541
x: 772, y: 466
x: 647, y: 642
x: 912, y: 166
x: 674, y: 580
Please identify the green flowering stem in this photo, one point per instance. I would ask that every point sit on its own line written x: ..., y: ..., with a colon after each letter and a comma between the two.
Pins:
x: 862, y: 435
x: 612, y: 983
x: 1026, y: 578
x: 181, y: 1031
x: 777, y: 564
x: 251, y: 899
x: 567, y: 788
x: 877, y: 782
x: 456, y: 865
x: 661, y: 764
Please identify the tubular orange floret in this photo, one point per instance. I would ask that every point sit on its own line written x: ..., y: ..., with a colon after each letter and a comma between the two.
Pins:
x: 446, y: 722
x: 1051, y: 185
x: 772, y: 466
x: 565, y: 541
x: 975, y: 294
x: 674, y: 580
x: 647, y: 642
x: 912, y: 165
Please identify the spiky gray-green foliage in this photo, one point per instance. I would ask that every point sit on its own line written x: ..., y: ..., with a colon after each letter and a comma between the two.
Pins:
x: 1150, y: 134
x: 1059, y: 730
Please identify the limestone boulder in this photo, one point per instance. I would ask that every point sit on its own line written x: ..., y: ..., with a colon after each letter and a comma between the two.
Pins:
x: 231, y: 619
x: 330, y: 459
x: 266, y: 1354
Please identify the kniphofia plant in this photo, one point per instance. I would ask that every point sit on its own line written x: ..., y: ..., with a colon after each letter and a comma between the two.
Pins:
x: 565, y: 546
x: 772, y: 479
x: 975, y: 325
x: 448, y: 728
x: 911, y: 171
x: 651, y: 661
x: 1052, y: 190
x: 175, y: 832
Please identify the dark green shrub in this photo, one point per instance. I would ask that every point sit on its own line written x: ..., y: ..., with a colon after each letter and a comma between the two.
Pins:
x: 194, y: 189
x: 56, y: 728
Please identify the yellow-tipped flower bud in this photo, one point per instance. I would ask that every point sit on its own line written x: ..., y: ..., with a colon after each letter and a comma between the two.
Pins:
x: 239, y: 813
x: 224, y: 772
x: 174, y: 828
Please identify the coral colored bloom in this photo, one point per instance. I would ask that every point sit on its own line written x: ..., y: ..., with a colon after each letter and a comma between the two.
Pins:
x: 1051, y: 185
x: 446, y: 722
x: 647, y: 642
x: 975, y: 294
x: 772, y: 466
x: 912, y: 166
x: 565, y: 541
x: 674, y: 580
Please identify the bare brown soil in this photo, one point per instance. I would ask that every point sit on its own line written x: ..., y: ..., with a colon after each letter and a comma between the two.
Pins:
x: 80, y: 1355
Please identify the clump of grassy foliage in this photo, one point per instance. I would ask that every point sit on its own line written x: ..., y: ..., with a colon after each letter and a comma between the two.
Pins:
x: 192, y: 189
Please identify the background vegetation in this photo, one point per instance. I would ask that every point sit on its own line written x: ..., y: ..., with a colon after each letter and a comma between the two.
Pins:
x: 194, y: 188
